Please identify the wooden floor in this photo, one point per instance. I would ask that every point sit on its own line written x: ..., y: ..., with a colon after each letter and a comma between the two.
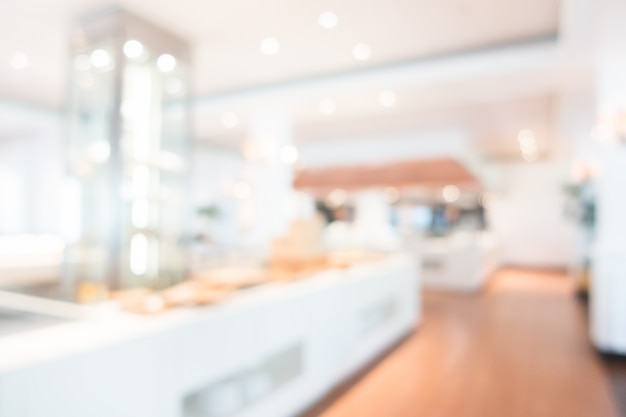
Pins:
x: 519, y: 349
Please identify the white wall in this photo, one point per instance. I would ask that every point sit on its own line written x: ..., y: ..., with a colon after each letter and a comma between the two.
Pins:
x: 527, y: 215
x: 31, y: 176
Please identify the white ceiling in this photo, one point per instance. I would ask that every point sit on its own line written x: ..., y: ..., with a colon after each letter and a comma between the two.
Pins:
x: 490, y: 92
x: 226, y: 36
x: 491, y: 97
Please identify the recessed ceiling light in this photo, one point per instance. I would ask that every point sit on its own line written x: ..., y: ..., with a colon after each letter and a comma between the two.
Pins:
x: 230, y: 120
x: 328, y: 20
x: 361, y: 51
x: 100, y: 58
x: 166, y: 63
x: 19, y: 60
x: 327, y: 106
x: 270, y: 46
x: 388, y: 98
x: 133, y: 49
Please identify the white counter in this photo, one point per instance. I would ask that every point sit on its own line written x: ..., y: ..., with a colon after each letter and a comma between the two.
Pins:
x: 461, y: 262
x: 269, y: 352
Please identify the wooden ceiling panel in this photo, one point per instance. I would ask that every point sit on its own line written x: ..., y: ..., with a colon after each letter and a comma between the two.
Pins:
x: 421, y: 173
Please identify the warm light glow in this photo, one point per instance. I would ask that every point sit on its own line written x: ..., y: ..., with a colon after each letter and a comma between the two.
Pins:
x: 610, y: 128
x: 139, y: 254
x: 585, y: 169
x: 100, y: 58
x: 328, y: 20
x: 154, y: 304
x: 133, y: 49
x: 327, y: 106
x: 392, y: 194
x: 526, y: 136
x: 166, y: 63
x: 529, y: 148
x: 451, y: 193
x: 230, y: 120
x: 242, y: 190
x: 361, y: 51
x: 388, y: 98
x: 528, y: 145
x: 270, y: 46
x: 253, y: 150
x: 19, y: 60
x: 336, y: 198
x: 289, y: 154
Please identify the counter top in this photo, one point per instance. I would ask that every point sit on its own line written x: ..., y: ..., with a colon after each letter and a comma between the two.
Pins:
x: 106, y: 325
x: 269, y: 351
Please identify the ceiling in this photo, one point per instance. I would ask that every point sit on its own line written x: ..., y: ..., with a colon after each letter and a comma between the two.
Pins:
x: 225, y: 36
x: 491, y: 127
x: 485, y: 66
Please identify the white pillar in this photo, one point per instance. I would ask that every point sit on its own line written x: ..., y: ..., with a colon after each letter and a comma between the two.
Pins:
x: 266, y: 213
x: 608, y: 308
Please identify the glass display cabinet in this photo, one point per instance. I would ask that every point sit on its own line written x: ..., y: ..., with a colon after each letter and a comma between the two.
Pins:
x: 128, y: 157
